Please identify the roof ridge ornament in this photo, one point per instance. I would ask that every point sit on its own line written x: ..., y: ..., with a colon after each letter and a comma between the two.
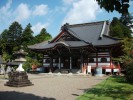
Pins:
x: 102, y: 32
x: 65, y: 27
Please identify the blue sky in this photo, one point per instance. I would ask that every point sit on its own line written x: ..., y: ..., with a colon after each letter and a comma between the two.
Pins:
x: 51, y: 14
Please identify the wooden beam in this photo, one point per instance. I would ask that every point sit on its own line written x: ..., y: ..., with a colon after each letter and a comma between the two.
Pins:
x: 51, y: 64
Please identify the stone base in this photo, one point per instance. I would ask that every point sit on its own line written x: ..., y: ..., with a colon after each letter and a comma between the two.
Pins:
x: 18, y: 79
x: 99, y: 75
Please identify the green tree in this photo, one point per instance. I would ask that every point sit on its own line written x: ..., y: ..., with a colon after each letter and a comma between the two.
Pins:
x: 11, y: 40
x: 127, y: 20
x: 127, y: 58
x: 3, y: 39
x: 127, y: 49
x: 30, y: 62
x: 120, y: 6
x: 27, y: 36
x: 42, y: 36
x: 117, y: 29
x: 15, y: 36
x: 4, y: 45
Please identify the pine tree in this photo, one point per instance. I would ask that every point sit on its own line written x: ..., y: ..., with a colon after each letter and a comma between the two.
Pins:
x: 15, y: 35
x: 43, y: 36
x: 27, y: 36
x: 117, y: 29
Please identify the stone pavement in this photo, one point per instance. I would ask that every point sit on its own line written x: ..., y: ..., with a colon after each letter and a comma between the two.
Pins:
x: 50, y: 87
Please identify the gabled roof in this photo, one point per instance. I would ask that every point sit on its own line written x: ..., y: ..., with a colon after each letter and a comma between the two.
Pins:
x: 38, y: 45
x: 71, y: 44
x: 93, y: 34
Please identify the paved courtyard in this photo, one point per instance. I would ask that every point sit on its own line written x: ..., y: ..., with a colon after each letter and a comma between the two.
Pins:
x: 50, y: 87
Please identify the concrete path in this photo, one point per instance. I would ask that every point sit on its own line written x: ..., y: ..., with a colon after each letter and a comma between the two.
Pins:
x: 50, y: 87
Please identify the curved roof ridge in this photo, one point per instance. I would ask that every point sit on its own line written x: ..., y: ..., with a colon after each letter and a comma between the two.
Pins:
x: 90, y: 23
x: 108, y: 28
x: 41, y: 43
x: 103, y: 29
x: 62, y: 42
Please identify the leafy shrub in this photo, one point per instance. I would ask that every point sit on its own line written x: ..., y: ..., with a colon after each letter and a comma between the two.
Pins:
x: 129, y: 72
x: 29, y: 62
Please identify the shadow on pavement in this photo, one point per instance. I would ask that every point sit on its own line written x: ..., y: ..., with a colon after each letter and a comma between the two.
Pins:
x: 13, y: 95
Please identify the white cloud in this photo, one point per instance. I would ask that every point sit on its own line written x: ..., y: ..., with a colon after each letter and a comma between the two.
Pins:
x: 40, y: 10
x: 8, y: 15
x: 23, y: 12
x: 82, y: 11
x: 37, y: 28
x: 7, y: 6
x: 68, y: 2
x: 5, y: 12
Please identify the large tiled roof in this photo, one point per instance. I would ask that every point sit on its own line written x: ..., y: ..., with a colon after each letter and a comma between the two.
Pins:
x: 71, y: 44
x: 96, y: 34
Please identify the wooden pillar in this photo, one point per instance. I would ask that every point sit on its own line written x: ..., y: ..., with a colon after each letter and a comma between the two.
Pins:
x: 51, y: 64
x: 81, y: 63
x: 96, y: 59
x: 60, y: 64
x: 70, y: 63
x: 110, y: 58
x: 87, y: 61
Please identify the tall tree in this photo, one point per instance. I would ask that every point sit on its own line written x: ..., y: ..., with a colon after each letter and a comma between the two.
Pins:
x: 42, y: 36
x: 120, y: 6
x: 127, y: 58
x: 117, y: 29
x: 3, y: 40
x: 15, y: 35
x: 6, y: 49
x: 127, y: 20
x: 27, y: 36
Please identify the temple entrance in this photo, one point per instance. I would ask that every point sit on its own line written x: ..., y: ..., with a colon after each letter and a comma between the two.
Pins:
x: 76, y: 63
x: 66, y: 63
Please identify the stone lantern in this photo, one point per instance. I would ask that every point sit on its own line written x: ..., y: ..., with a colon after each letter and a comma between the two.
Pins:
x: 18, y: 78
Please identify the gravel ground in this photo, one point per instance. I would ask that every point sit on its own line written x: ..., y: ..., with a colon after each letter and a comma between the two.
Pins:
x: 50, y: 87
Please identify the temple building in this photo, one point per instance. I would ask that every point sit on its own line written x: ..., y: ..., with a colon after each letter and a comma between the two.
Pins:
x: 78, y: 46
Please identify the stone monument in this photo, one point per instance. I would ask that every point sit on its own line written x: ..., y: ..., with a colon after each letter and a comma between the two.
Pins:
x: 18, y: 78
x: 19, y: 57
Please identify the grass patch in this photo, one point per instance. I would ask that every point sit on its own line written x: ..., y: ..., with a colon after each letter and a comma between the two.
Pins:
x: 113, y: 88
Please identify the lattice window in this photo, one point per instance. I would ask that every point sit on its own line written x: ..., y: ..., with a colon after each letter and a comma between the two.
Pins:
x: 103, y: 59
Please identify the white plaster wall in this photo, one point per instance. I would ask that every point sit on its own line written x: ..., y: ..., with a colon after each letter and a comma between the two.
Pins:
x: 99, y: 64
x: 108, y: 59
